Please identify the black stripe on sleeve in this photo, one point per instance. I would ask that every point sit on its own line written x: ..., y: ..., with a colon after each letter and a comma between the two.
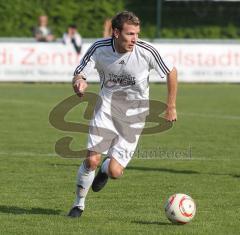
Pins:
x: 154, y: 49
x: 89, y: 53
x: 156, y: 55
x: 112, y: 45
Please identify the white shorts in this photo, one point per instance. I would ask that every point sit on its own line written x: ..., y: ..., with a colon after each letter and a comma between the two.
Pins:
x: 113, y: 137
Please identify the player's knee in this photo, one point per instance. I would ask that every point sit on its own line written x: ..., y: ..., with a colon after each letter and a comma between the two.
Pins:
x: 93, y: 161
x: 115, y: 173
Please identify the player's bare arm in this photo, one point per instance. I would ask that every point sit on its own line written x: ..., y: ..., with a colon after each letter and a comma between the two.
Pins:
x: 171, y: 113
x: 79, y: 85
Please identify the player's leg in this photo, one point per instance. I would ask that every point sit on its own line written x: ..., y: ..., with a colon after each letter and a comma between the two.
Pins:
x: 121, y: 153
x: 109, y: 168
x: 115, y: 169
x: 85, y: 178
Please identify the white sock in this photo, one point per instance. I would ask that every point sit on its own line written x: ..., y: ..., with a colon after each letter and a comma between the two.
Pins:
x: 104, y: 167
x: 85, y: 178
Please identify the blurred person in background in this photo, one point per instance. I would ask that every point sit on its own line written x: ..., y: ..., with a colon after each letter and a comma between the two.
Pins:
x: 72, y: 37
x: 107, y: 28
x: 43, y: 33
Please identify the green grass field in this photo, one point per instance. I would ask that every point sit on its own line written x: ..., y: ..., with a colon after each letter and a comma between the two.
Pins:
x: 37, y: 186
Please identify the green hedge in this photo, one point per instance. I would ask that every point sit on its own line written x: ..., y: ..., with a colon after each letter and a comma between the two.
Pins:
x: 200, y: 32
x: 19, y: 17
x: 191, y: 19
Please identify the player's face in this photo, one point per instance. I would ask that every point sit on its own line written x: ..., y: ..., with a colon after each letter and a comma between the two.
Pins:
x: 126, y: 38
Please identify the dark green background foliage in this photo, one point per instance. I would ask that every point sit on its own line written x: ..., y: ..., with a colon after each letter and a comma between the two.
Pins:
x: 19, y: 17
x: 201, y: 19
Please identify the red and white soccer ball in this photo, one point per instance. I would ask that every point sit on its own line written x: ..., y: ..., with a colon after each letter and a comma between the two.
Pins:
x: 180, y: 208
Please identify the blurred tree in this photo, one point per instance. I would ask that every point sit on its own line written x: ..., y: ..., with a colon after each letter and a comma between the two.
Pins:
x: 19, y: 17
x: 180, y: 19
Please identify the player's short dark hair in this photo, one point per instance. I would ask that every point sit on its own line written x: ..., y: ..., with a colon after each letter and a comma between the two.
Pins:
x: 124, y: 17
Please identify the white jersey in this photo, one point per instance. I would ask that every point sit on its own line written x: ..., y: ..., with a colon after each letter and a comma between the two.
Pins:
x: 127, y: 72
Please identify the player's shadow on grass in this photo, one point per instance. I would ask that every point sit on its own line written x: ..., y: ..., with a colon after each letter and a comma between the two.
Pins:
x: 236, y: 176
x: 142, y: 168
x: 224, y: 174
x: 56, y: 165
x: 150, y: 222
x: 33, y: 211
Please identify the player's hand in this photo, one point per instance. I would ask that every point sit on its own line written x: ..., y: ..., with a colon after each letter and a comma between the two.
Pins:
x: 171, y: 114
x: 79, y: 86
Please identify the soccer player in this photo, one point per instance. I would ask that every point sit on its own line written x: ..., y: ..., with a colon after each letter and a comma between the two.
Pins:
x: 123, y: 63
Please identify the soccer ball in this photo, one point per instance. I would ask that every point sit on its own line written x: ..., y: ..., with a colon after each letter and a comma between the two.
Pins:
x: 180, y: 208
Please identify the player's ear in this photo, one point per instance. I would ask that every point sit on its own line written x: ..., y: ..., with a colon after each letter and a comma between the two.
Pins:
x: 116, y: 33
